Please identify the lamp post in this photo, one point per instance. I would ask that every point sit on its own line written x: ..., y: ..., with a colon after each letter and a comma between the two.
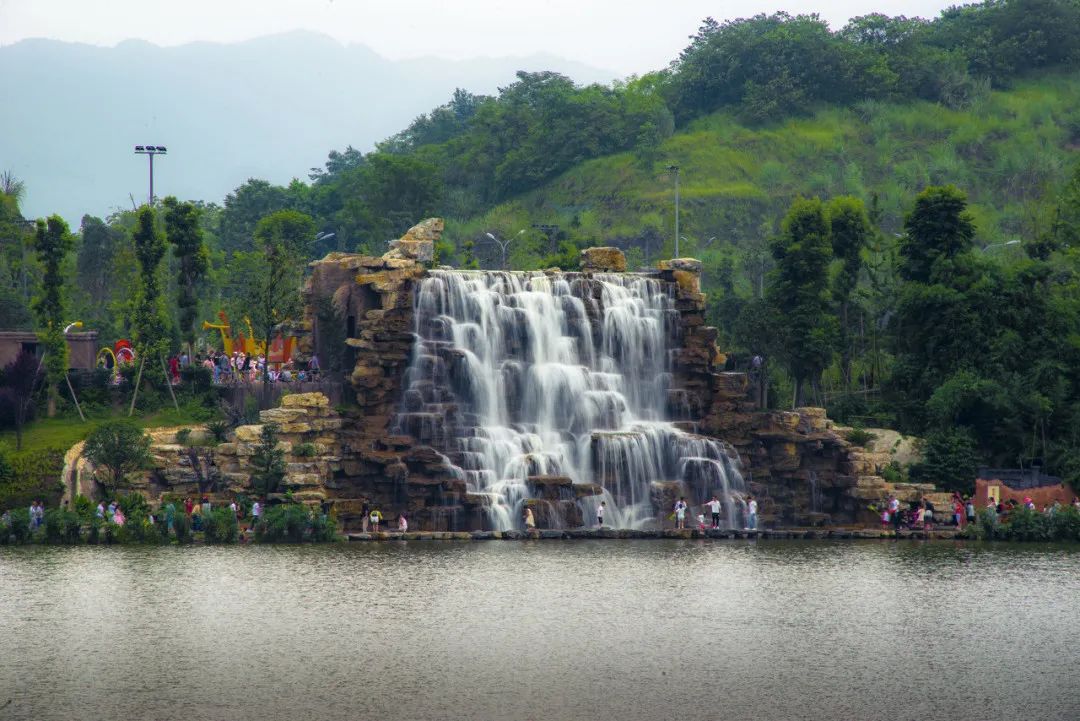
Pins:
x: 675, y: 169
x: 504, y: 244
x: 67, y: 378
x: 1006, y: 244
x: 150, y: 151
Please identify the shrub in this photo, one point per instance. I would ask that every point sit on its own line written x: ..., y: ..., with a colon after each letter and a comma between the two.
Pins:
x: 182, y: 436
x: 1028, y: 525
x: 304, y: 450
x: 19, y: 525
x: 182, y: 529
x: 219, y: 430
x: 220, y: 526
x: 119, y: 446
x: 62, y: 526
x: 893, y: 473
x: 287, y: 523
x: 133, y: 504
x: 93, y: 530
x: 859, y: 436
x: 1066, y: 524
x: 268, y: 460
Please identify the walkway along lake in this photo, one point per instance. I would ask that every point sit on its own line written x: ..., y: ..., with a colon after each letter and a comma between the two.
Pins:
x: 589, y: 629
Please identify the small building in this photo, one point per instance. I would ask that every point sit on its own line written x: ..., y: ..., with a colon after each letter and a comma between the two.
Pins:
x: 1004, y: 484
x: 82, y: 347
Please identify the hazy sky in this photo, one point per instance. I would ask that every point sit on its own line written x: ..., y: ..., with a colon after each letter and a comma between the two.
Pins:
x: 626, y: 36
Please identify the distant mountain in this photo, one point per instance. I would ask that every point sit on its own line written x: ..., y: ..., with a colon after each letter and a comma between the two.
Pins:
x: 268, y: 108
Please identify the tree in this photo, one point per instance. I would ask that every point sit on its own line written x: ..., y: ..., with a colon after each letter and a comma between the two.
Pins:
x: 275, y: 270
x: 53, y: 242
x: 268, y: 460
x: 799, y: 293
x: 119, y: 446
x: 20, y: 378
x: 850, y: 232
x: 98, y: 271
x: 183, y: 231
x: 150, y: 322
x: 939, y: 230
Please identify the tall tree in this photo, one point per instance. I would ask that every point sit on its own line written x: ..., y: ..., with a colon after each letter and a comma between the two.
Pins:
x: 850, y: 231
x: 150, y: 322
x: 273, y: 272
x: 53, y: 242
x: 184, y: 232
x: 799, y: 293
x: 937, y: 328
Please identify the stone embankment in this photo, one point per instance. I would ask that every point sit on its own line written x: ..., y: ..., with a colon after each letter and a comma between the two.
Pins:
x: 670, y: 533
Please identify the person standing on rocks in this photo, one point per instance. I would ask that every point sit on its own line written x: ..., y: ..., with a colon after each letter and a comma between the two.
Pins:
x: 680, y: 513
x: 714, y: 509
x: 402, y: 523
x: 600, y: 514
x: 751, y: 513
x: 530, y: 520
x: 256, y: 512
x: 375, y: 516
x: 894, y: 512
x: 365, y: 522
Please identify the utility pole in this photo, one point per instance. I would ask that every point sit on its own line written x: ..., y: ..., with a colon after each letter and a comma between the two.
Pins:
x: 504, y: 245
x: 150, y: 151
x: 675, y: 169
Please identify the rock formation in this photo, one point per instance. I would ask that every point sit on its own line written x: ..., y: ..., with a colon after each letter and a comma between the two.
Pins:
x: 391, y: 451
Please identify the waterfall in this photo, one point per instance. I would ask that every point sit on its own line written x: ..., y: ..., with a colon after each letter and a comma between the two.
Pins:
x: 522, y: 375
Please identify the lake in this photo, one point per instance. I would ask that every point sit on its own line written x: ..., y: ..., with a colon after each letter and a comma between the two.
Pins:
x: 598, y: 629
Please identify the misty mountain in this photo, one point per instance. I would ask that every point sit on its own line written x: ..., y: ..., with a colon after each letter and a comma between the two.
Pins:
x: 270, y: 108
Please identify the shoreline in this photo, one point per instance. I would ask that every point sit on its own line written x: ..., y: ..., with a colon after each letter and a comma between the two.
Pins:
x: 570, y: 534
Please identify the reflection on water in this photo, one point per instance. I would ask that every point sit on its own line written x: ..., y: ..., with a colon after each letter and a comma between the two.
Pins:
x: 551, y: 630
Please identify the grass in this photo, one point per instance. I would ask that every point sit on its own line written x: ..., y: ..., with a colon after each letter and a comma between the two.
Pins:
x: 65, y: 431
x: 1006, y: 151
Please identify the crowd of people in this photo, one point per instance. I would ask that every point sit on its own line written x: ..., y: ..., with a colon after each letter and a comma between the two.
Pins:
x: 240, y: 367
x: 921, y: 514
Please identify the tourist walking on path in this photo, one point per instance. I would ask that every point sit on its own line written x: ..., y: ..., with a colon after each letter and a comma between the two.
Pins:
x: 894, y: 512
x: 256, y: 512
x: 365, y: 522
x: 375, y: 517
x: 101, y: 510
x: 170, y: 515
x: 402, y: 523
x: 600, y: 514
x: 970, y: 509
x: 680, y: 513
x: 751, y: 513
x: 189, y: 506
x: 530, y: 520
x: 714, y: 509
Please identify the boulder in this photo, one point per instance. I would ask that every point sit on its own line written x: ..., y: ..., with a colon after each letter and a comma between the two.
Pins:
x: 418, y: 243
x: 305, y: 400
x: 688, y: 265
x: 603, y: 260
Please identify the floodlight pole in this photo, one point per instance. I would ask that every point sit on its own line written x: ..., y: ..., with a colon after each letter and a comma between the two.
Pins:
x: 150, y: 151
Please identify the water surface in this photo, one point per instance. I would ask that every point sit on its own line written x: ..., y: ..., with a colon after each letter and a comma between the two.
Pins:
x: 545, y: 630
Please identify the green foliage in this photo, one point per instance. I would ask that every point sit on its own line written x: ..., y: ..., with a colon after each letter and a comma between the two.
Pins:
x: 62, y: 526
x: 183, y: 231
x: 32, y: 475
x: 119, y: 446
x: 219, y: 430
x: 267, y: 462
x: 149, y: 325
x: 17, y: 530
x: 949, y: 460
x: 220, y: 526
x: 799, y: 292
x: 294, y: 523
x: 859, y: 436
x: 183, y: 435
x: 53, y: 243
x: 304, y: 450
x: 182, y: 529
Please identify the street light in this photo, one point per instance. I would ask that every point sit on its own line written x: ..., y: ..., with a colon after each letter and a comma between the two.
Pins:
x: 150, y: 151
x: 504, y: 244
x: 1007, y: 243
x: 675, y: 169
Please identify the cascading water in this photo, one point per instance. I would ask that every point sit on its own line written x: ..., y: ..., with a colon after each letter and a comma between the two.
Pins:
x: 522, y: 375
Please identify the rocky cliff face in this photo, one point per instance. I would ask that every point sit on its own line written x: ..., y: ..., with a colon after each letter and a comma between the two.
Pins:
x: 799, y: 466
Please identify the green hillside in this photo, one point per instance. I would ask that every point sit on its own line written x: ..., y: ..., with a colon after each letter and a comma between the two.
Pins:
x: 1010, y: 151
